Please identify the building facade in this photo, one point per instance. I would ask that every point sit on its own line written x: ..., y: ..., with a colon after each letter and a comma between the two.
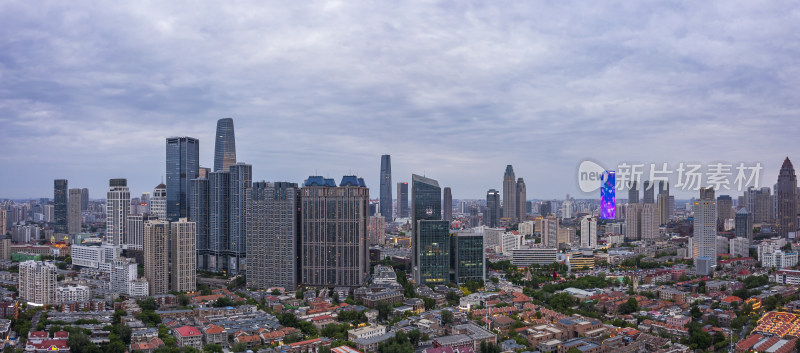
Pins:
x: 118, y: 208
x: 183, y: 162
x: 385, y: 196
x: 705, y: 231
x: 509, y: 195
x: 74, y: 211
x: 37, y: 282
x: 786, y: 200
x: 431, y: 245
x: 183, y: 275
x: 158, y: 203
x: 156, y: 261
x: 224, y: 145
x: 60, y: 197
x: 402, y: 200
x: 274, y: 229
x: 334, y: 232
x: 492, y: 218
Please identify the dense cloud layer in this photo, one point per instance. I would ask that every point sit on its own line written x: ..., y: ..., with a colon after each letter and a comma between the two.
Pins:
x: 455, y: 90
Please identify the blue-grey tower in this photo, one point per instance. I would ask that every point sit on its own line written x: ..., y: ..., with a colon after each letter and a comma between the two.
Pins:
x: 199, y: 213
x: 241, y: 179
x: 431, y: 242
x: 386, y: 187
x: 224, y: 145
x: 183, y: 163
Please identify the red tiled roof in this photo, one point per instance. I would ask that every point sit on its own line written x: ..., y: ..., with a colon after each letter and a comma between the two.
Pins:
x: 214, y: 329
x: 304, y: 342
x: 188, y: 331
x: 731, y: 299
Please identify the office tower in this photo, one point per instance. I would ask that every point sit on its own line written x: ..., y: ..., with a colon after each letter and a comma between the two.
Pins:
x: 184, y: 266
x: 74, y: 211
x: 431, y: 253
x: 493, y: 208
x: 633, y: 223
x: 545, y: 208
x: 3, y: 229
x: 183, y: 162
x: 219, y: 204
x: 241, y: 179
x: 663, y: 208
x: 663, y: 187
x: 273, y: 221
x: 521, y: 197
x: 724, y: 208
x: 334, y: 232
x: 386, y: 187
x: 468, y: 256
x: 633, y: 193
x: 566, y: 209
x: 447, y: 208
x: 199, y: 213
x: 705, y: 232
x: 84, y: 199
x: 402, y: 200
x: 224, y: 146
x: 649, y: 190
x: 786, y: 199
x: 60, y: 206
x: 509, y: 195
x: 37, y: 282
x: 474, y: 217
x: 118, y: 205
x: 744, y: 224
x: 156, y: 261
x: 588, y: 232
x: 158, y: 203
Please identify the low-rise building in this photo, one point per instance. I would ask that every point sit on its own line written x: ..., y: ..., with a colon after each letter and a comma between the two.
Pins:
x: 366, y: 332
x: 189, y: 336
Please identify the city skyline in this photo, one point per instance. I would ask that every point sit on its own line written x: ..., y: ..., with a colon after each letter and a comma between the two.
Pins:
x: 676, y: 84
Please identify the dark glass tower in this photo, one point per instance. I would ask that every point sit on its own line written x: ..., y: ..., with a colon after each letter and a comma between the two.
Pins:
x: 786, y: 194
x: 431, y: 234
x: 402, y: 200
x: 241, y: 179
x: 386, y: 187
x: 469, y: 261
x: 183, y: 162
x: 510, y: 195
x: 649, y: 191
x: 447, y: 208
x: 492, y: 208
x: 199, y: 213
x: 84, y: 199
x: 219, y: 202
x: 633, y: 193
x: 60, y: 206
x: 224, y: 145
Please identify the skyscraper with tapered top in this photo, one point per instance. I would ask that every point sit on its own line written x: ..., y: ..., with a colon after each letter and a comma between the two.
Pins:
x: 522, y: 195
x: 431, y: 243
x: 386, y: 187
x: 510, y: 195
x: 786, y: 194
x: 224, y: 145
x: 183, y: 162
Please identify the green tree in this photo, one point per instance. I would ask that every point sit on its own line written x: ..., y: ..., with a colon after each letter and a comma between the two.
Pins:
x: 447, y: 317
x: 212, y: 348
x: 430, y: 303
x: 239, y: 347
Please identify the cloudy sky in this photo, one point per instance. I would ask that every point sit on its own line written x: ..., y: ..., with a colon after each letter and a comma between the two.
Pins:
x: 455, y: 90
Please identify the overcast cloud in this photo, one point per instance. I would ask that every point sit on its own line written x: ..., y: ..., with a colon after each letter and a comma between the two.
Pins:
x: 455, y: 90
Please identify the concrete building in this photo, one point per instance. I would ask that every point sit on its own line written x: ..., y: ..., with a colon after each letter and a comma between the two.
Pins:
x: 158, y: 202
x: 184, y: 260
x: 37, y: 282
x: 739, y: 247
x: 588, y: 232
x: 705, y: 230
x: 274, y: 228
x: 76, y: 293
x: 334, y: 232
x: 123, y: 271
x: 156, y: 258
x: 118, y: 208
x: 528, y: 256
x: 779, y: 259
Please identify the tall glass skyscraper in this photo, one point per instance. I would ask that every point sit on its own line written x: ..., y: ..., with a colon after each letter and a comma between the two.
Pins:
x: 224, y: 145
x: 219, y: 204
x: 468, y: 257
x: 386, y: 187
x: 402, y: 200
x: 492, y: 219
x: 447, y: 207
x: 431, y: 245
x: 199, y: 213
x: 183, y: 162
x: 60, y: 206
x: 241, y: 179
x: 510, y: 195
